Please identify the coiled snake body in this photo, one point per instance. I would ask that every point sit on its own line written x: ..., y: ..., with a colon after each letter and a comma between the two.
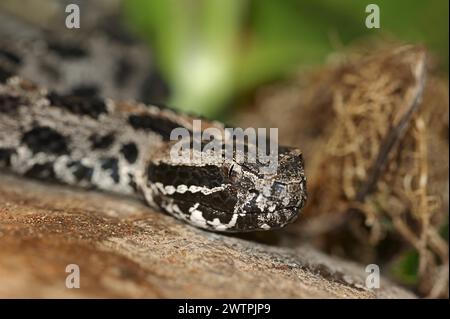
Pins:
x: 124, y: 147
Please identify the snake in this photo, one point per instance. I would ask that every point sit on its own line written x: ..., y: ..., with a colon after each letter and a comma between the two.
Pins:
x: 124, y: 146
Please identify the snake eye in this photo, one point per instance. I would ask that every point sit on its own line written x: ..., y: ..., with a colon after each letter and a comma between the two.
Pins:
x: 278, y: 187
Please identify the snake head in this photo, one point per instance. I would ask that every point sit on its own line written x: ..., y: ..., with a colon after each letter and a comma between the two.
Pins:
x: 227, y: 195
x: 269, y: 200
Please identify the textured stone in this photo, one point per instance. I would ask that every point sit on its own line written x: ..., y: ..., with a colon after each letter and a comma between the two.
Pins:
x: 125, y: 249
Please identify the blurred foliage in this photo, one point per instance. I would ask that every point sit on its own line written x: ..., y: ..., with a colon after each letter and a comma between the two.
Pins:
x: 211, y: 50
x: 406, y: 268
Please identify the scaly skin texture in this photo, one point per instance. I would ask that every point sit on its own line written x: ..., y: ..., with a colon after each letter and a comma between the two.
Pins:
x: 124, y: 147
x: 62, y: 129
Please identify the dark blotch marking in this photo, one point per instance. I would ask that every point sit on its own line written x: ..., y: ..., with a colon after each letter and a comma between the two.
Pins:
x: 130, y: 152
x: 216, y: 205
x: 209, y: 175
x: 249, y: 222
x: 10, y: 56
x: 124, y: 69
x: 67, y: 50
x: 5, y: 156
x: 85, y: 90
x: 111, y: 164
x: 83, y: 105
x: 42, y: 171
x: 4, y: 74
x: 101, y: 142
x: 9, y: 103
x: 223, y: 214
x: 132, y: 182
x: 149, y: 123
x: 46, y: 140
x: 80, y: 171
x: 154, y: 88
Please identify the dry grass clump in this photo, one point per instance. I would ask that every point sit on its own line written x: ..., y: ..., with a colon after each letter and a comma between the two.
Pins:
x: 374, y: 127
x: 377, y: 156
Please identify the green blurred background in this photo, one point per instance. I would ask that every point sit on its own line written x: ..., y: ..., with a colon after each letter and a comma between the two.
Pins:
x: 211, y: 51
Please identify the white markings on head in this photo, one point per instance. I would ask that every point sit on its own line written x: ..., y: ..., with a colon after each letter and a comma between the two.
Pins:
x: 181, y: 189
x: 197, y: 216
x: 230, y: 224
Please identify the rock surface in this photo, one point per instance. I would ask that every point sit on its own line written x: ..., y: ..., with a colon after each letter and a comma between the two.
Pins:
x: 124, y: 249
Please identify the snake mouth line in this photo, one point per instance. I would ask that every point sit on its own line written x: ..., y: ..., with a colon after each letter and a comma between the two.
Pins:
x: 293, y: 208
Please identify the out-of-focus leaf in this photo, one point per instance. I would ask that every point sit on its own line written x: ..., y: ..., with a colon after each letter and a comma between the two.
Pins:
x: 211, y: 50
x: 406, y: 267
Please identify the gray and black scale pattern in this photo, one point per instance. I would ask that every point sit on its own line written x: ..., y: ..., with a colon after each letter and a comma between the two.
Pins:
x: 114, y: 146
x: 41, y: 136
x: 77, y: 63
x: 72, y: 135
